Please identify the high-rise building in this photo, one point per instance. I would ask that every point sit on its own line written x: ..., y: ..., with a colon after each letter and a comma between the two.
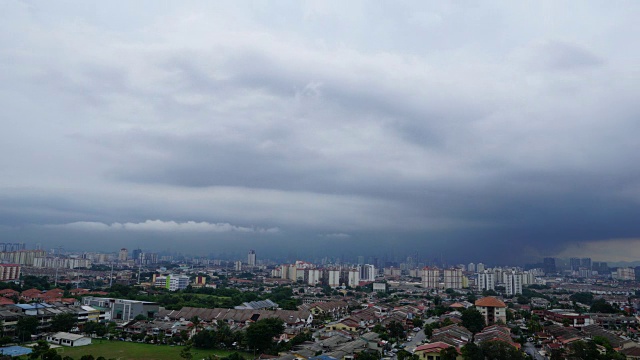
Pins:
x: 333, y: 278
x: 480, y: 267
x: 9, y: 272
x: 486, y: 280
x: 136, y: 255
x: 430, y: 277
x: 513, y: 283
x: 453, y: 278
x: 353, y: 279
x: 574, y: 264
x: 360, y: 260
x: 585, y: 263
x: 625, y: 273
x: 367, y: 272
x: 471, y: 267
x: 123, y: 255
x: 601, y: 267
x: 549, y: 265
x: 251, y: 258
x: 313, y: 276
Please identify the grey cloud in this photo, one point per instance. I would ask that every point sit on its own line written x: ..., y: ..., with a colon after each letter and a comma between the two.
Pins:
x: 561, y: 56
x: 406, y: 140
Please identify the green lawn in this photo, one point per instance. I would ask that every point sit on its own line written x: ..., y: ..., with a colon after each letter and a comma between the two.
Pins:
x: 122, y: 350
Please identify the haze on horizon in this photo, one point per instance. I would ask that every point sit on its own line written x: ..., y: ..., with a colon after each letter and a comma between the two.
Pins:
x: 476, y: 131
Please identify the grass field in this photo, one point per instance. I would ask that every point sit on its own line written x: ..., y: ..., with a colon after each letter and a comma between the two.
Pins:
x: 135, y: 351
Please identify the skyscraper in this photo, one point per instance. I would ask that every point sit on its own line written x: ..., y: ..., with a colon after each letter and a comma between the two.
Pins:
x: 251, y: 258
x: 574, y: 264
x: 549, y: 265
x: 136, y: 255
x: 123, y: 255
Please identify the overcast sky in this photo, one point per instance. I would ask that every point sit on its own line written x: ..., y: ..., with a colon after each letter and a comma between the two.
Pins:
x: 474, y: 131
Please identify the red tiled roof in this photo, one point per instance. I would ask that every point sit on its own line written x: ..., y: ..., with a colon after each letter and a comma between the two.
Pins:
x: 6, y: 301
x: 490, y: 301
x: 433, y: 347
x: 8, y: 292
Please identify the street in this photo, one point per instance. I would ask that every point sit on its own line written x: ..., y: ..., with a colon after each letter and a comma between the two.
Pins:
x: 531, y: 350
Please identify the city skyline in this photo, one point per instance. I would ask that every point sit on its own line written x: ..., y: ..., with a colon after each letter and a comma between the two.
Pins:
x: 499, y: 131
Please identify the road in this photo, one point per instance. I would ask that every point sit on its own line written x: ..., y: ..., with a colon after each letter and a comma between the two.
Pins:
x: 415, y: 342
x: 531, y: 350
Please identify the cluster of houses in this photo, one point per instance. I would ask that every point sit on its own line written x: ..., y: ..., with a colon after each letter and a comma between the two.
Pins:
x: 342, y: 326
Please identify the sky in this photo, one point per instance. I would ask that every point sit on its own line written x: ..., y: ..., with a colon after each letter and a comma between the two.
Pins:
x: 493, y: 131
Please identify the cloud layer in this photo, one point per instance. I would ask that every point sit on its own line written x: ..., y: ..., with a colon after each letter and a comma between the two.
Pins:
x: 501, y: 131
x: 164, y: 226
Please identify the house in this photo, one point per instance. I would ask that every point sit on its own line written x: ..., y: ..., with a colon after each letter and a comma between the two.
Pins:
x: 432, y: 351
x: 67, y: 339
x: 492, y: 309
x: 455, y: 335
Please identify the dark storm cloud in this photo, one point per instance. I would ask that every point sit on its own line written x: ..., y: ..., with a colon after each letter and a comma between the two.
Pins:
x: 399, y: 130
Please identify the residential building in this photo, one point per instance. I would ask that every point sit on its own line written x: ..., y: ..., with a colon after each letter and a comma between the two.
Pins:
x: 492, y: 309
x: 123, y: 255
x: 453, y: 278
x: 625, y: 273
x: 367, y: 272
x: 486, y: 280
x: 333, y: 278
x: 9, y: 272
x: 513, y: 283
x: 432, y: 351
x: 21, y: 257
x: 471, y: 267
x: 430, y: 277
x: 353, y: 278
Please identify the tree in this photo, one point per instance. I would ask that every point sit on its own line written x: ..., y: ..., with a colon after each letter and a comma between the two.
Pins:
x: 500, y: 350
x: 417, y: 322
x: 405, y: 355
x: 260, y: 334
x: 39, y: 349
x: 473, y: 320
x: 582, y: 297
x: 601, y: 306
x: 449, y: 353
x: 396, y: 330
x: 368, y: 355
x: 233, y: 356
x: 26, y: 326
x: 63, y: 322
x: 185, y: 353
x: 472, y: 351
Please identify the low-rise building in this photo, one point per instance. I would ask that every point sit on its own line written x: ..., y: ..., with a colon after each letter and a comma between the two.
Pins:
x: 493, y: 310
x: 68, y: 339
